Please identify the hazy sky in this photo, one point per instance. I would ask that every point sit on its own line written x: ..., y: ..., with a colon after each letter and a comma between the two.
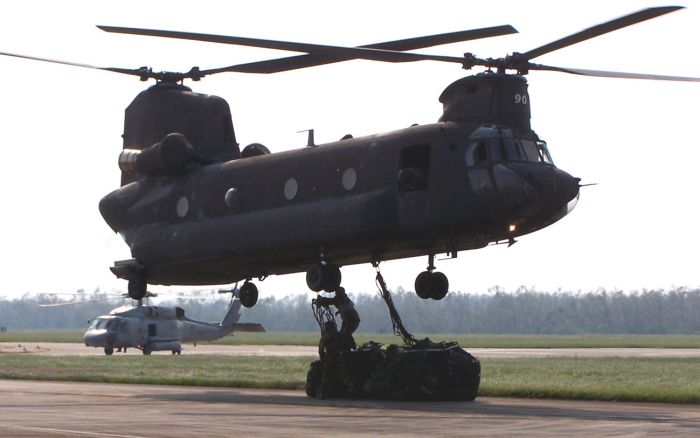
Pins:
x: 636, y: 229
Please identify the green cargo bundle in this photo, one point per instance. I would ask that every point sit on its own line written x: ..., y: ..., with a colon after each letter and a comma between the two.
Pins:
x: 425, y: 371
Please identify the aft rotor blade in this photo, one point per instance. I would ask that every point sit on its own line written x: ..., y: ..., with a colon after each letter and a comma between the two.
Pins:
x: 603, y: 28
x: 613, y: 74
x: 133, y: 72
x: 318, y: 49
x: 304, y: 61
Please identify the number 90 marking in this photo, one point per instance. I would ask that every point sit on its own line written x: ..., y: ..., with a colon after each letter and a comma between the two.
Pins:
x: 521, y: 98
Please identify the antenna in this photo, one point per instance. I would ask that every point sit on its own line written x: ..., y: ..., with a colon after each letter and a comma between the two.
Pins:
x: 310, y: 143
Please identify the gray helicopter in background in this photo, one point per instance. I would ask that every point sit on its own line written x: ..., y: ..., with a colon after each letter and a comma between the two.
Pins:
x: 160, y: 328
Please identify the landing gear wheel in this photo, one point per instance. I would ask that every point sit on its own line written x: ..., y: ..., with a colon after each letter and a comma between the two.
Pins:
x: 314, y: 277
x: 137, y: 286
x: 423, y: 284
x: 331, y: 278
x: 323, y: 277
x: 248, y: 294
x: 146, y: 351
x: 109, y: 351
x: 176, y: 352
x: 432, y: 285
x: 439, y: 285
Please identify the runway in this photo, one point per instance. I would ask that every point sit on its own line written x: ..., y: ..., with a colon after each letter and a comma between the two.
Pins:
x: 119, y: 410
x: 74, y: 349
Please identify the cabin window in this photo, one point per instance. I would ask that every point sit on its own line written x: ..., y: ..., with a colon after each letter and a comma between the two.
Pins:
x: 290, y: 189
x: 152, y: 330
x: 349, y: 179
x: 414, y: 162
x: 182, y: 207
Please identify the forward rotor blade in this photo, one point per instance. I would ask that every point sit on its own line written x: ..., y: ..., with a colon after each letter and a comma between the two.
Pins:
x: 304, y: 61
x: 132, y: 72
x: 316, y: 49
x: 613, y: 74
x: 603, y: 28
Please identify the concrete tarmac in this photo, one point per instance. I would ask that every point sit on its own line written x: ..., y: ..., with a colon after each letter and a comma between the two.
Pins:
x: 55, y: 409
x: 74, y: 349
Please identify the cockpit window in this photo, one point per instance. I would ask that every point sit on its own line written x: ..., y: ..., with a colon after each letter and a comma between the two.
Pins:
x: 476, y: 153
x: 101, y: 324
x: 511, y: 150
x: 542, y: 147
x: 500, y: 149
x: 531, y: 150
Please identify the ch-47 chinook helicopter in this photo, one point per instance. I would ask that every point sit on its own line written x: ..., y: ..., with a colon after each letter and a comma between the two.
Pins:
x: 155, y: 328
x: 196, y: 210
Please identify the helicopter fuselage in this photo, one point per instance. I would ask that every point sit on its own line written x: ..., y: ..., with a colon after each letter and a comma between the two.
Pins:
x: 153, y: 328
x: 437, y: 188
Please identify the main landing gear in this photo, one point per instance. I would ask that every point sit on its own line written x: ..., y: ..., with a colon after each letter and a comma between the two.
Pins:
x: 248, y: 294
x: 430, y: 283
x: 323, y: 277
x: 137, y: 285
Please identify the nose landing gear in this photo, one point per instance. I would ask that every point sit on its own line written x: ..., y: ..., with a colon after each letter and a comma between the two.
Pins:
x: 431, y: 283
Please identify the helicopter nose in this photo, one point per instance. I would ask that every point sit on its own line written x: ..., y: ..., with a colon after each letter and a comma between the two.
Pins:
x: 567, y: 189
x: 96, y: 338
x: 517, y: 192
x: 546, y: 191
x: 559, y: 191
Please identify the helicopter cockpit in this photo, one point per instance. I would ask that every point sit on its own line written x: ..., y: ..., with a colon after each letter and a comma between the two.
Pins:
x: 105, y: 323
x: 495, y: 144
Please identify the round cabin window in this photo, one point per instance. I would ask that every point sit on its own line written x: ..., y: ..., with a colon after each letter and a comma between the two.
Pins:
x: 349, y: 179
x: 290, y: 189
x: 182, y: 207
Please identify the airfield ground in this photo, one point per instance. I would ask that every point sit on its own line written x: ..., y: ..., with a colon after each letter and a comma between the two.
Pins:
x: 118, y: 410
x: 218, y: 406
x: 652, y: 375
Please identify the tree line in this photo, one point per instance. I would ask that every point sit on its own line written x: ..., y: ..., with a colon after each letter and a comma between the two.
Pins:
x: 523, y: 311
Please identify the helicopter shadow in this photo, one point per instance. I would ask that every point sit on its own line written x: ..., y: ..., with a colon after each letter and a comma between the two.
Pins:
x: 362, y: 408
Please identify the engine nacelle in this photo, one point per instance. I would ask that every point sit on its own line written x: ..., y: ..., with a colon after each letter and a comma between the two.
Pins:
x: 170, y: 156
x: 159, y: 312
x: 254, y: 150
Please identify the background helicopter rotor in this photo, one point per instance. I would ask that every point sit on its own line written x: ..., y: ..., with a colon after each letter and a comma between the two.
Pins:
x: 386, y: 52
x: 103, y: 299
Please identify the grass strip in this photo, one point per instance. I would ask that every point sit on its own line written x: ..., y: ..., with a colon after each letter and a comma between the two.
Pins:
x: 467, y: 341
x: 665, y: 380
x: 195, y: 370
x: 668, y: 380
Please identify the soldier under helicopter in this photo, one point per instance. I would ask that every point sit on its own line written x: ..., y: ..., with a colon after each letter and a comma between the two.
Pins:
x: 348, y: 315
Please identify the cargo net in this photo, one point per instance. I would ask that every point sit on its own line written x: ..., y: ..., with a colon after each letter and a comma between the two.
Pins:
x: 329, y: 343
x: 396, y: 324
x: 420, y: 370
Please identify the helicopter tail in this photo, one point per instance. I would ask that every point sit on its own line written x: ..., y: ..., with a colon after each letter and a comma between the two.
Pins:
x: 233, y: 313
x: 231, y: 324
